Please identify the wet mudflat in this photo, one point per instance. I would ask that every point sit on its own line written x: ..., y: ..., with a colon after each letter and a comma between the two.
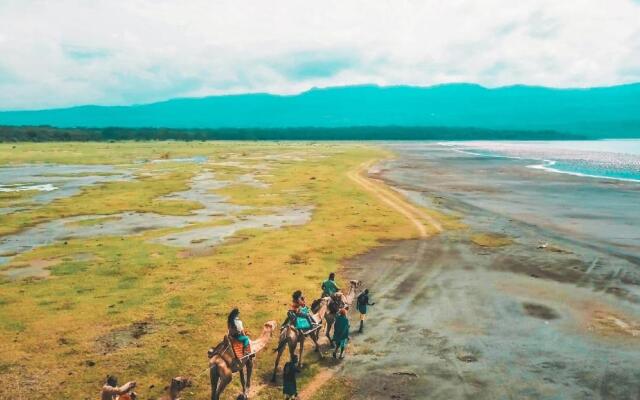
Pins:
x: 201, y: 190
x: 49, y: 182
x: 551, y: 313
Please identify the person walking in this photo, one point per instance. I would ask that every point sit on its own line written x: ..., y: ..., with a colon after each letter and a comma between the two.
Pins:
x: 362, y: 304
x: 341, y: 332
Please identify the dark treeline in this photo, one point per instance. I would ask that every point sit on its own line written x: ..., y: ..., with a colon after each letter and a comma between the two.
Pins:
x: 52, y: 134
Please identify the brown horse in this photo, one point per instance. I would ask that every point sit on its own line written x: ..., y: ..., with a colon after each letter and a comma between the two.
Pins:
x: 330, y: 316
x: 223, y: 363
x: 291, y: 337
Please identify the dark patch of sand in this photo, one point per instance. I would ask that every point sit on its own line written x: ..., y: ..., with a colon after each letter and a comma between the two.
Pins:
x: 124, y: 337
x: 539, y: 311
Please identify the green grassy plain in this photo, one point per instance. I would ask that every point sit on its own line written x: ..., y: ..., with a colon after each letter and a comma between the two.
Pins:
x: 148, y: 312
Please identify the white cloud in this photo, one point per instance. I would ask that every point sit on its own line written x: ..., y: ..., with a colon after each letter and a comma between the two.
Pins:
x: 68, y: 52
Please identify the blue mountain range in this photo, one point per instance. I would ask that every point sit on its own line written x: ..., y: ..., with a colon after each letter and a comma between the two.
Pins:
x: 603, y: 112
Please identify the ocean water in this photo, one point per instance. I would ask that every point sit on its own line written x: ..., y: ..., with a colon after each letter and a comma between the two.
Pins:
x: 610, y: 159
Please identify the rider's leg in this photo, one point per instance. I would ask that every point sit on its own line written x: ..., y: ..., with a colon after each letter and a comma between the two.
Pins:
x: 245, y: 344
x: 310, y: 319
x: 290, y: 317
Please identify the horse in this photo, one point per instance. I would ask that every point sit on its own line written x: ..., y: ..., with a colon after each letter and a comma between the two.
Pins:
x: 223, y: 362
x: 290, y: 337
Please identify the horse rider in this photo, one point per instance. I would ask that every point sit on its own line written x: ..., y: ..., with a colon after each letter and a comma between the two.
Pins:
x: 236, y: 330
x: 329, y: 287
x: 298, y: 309
x: 111, y: 389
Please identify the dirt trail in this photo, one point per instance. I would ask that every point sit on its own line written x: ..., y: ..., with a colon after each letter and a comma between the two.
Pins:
x: 393, y: 199
x: 397, y: 202
x: 318, y: 381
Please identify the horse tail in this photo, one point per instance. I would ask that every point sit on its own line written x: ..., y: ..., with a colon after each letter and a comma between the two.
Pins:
x: 280, y: 346
x: 316, y: 305
x: 282, y: 341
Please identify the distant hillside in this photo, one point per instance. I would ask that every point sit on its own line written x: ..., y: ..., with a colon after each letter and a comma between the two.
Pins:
x: 598, y: 112
x: 48, y: 134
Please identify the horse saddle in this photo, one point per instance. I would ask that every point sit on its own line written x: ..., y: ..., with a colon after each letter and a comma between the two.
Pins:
x: 302, y: 323
x: 237, y: 346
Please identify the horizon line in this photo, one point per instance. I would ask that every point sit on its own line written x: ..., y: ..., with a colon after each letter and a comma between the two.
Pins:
x: 316, y: 88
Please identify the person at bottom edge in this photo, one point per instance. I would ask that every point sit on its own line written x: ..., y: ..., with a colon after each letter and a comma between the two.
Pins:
x: 289, y: 386
x: 111, y: 390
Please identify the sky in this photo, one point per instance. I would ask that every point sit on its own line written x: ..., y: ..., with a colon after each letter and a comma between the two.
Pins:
x: 118, y: 52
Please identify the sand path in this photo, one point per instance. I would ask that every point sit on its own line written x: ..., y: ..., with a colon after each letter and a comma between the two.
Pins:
x: 394, y: 200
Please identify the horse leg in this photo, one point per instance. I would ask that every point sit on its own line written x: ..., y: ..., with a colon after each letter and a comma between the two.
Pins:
x: 249, y: 371
x: 328, y: 332
x: 275, y: 367
x: 224, y: 381
x: 242, y: 382
x: 292, y: 350
x: 214, y: 377
x: 301, y: 351
x: 315, y: 337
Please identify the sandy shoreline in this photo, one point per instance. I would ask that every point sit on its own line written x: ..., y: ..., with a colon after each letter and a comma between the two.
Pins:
x: 553, y: 314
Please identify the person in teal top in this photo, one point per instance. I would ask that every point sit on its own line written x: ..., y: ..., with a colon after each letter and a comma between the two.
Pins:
x: 341, y: 332
x: 329, y: 287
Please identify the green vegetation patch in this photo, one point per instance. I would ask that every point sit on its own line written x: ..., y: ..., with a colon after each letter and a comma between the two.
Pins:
x: 140, y: 195
x: 94, y: 221
x: 11, y: 199
x: 491, y: 240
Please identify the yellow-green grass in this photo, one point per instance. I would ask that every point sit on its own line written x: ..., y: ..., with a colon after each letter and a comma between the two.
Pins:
x: 94, y: 221
x: 337, y: 388
x: 11, y: 199
x: 78, y: 174
x: 50, y: 329
x: 101, y: 153
x: 491, y: 240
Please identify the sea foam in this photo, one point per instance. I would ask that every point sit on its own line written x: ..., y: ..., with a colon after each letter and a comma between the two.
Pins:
x: 610, y: 159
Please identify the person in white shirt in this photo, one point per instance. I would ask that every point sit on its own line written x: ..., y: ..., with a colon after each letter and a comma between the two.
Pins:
x: 236, y: 330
